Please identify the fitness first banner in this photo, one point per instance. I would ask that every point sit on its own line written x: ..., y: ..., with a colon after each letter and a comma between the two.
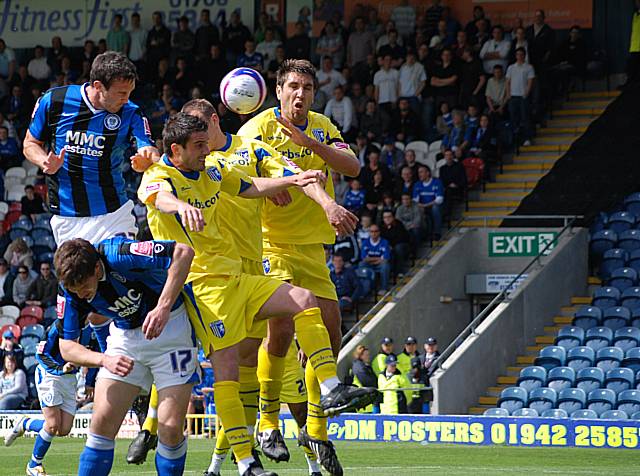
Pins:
x: 26, y: 23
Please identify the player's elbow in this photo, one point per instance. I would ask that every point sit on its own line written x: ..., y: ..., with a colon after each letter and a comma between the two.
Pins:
x: 351, y: 168
x: 183, y: 253
x: 66, y: 349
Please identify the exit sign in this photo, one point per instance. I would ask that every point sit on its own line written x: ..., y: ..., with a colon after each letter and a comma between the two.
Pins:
x: 517, y: 244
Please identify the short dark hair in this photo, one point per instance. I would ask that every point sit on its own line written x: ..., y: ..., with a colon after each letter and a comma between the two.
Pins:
x: 111, y: 66
x: 28, y: 187
x: 199, y: 107
x: 426, y: 167
x: 5, y: 128
x: 116, y: 16
x: 522, y: 50
x: 179, y: 128
x: 135, y: 15
x: 75, y: 261
x: 300, y: 66
x: 498, y: 66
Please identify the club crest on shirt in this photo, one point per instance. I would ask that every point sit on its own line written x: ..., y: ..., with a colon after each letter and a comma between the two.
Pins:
x: 214, y: 174
x: 266, y: 265
x: 318, y: 134
x: 112, y: 122
x: 142, y: 248
x: 218, y: 329
x: 60, y: 304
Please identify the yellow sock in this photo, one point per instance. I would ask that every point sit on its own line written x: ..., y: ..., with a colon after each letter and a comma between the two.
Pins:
x: 270, y: 372
x: 249, y: 394
x: 222, y: 443
x: 314, y: 340
x: 316, y: 419
x: 151, y: 422
x: 229, y: 409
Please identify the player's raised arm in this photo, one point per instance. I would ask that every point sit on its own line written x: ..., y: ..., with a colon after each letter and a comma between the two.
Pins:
x: 262, y: 187
x: 341, y: 219
x: 34, y: 141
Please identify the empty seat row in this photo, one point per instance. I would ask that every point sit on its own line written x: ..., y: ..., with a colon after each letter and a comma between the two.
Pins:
x: 580, y: 357
x: 619, y: 258
x: 559, y: 413
x: 614, y: 317
x: 607, y: 296
x: 598, y: 337
x: 588, y: 379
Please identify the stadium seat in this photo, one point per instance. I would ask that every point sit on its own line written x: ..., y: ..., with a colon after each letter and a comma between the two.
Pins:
x: 629, y: 401
x: 589, y: 379
x: 435, y: 146
x: 11, y: 311
x: 15, y: 172
x: 601, y: 400
x: 629, y: 240
x: 42, y: 221
x: 36, y: 330
x: 24, y: 321
x: 16, y: 233
x: 5, y: 320
x: 512, y: 398
x: 635, y: 416
x: 555, y: 413
x: 616, y: 317
x: 612, y: 259
x: 570, y: 337
x: 621, y: 221
x: 541, y: 399
x: 598, y: 337
x: 38, y: 233
x: 572, y: 399
x: 532, y: 377
x: 609, y: 358
x: 632, y: 204
x: 33, y: 311
x: 31, y: 384
x: 584, y: 414
x: 634, y: 260
x: 525, y: 412
x: 635, y: 317
x: 50, y: 314
x: 418, y: 145
x: 630, y: 298
x: 45, y: 258
x: 551, y: 356
x: 632, y: 359
x: 496, y: 412
x: 27, y: 341
x: 620, y: 379
x: 560, y: 378
x: 29, y: 361
x: 605, y: 297
x: 13, y: 192
x: 44, y: 244
x: 580, y: 358
x: 17, y: 332
x: 587, y: 317
x: 627, y: 338
x: 623, y: 278
x: 600, y: 242
x: 23, y: 224
x: 614, y: 415
x: 41, y: 189
x: 4, y: 208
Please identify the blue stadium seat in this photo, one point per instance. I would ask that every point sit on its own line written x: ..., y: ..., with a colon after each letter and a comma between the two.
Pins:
x: 572, y: 399
x: 635, y: 416
x: 43, y: 222
x: 614, y: 415
x: 623, y: 278
x: 605, y: 297
x: 38, y: 233
x: 627, y: 338
x: 29, y: 340
x: 587, y: 317
x: 555, y: 413
x: 23, y: 223
x: 18, y: 233
x: 29, y: 361
x: 551, y: 356
x: 632, y: 359
x: 601, y: 400
x: 632, y: 204
x: 525, y: 412
x: 616, y: 317
x: 496, y: 412
x: 532, y: 377
x: 609, y: 358
x: 580, y: 358
x: 45, y: 258
x: 513, y: 398
x: 634, y: 260
x: 570, y: 337
x: 620, y: 379
x: 629, y: 240
x: 585, y: 414
x: 541, y: 399
x: 589, y: 379
x: 629, y: 401
x: 29, y: 347
x: 612, y: 259
x: 621, y: 221
x: 44, y: 244
x: 600, y: 242
x: 35, y: 330
x: 631, y: 298
x: 598, y: 337
x: 560, y: 378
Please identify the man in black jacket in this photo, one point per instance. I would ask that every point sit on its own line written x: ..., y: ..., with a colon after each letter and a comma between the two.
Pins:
x: 427, y: 359
x: 397, y: 235
x: 6, y: 283
x: 454, y: 181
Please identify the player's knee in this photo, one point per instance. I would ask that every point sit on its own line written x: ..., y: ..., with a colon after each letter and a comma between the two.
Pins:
x: 63, y: 431
x: 53, y: 428
x: 303, y: 298
x: 171, y: 434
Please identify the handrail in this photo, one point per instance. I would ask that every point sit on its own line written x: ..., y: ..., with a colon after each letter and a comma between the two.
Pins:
x: 500, y: 297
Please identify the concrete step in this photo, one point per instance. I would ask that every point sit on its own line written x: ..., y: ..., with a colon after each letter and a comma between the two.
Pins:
x: 471, y: 223
x: 568, y: 310
x: 586, y: 104
x: 552, y: 330
x: 490, y: 213
x: 496, y: 195
x: 593, y: 280
x: 545, y: 340
x: 550, y: 148
x: 522, y: 186
x: 494, y: 204
x: 564, y: 139
x: 536, y: 159
x: 579, y: 300
x: 580, y: 112
x: 479, y: 410
x: 531, y: 177
x: 496, y: 391
x: 594, y: 94
x: 507, y: 380
x: 493, y: 401
x: 545, y: 131
x: 514, y: 371
x: 534, y: 349
x: 529, y: 166
x: 563, y: 320
x: 525, y: 359
x: 563, y: 122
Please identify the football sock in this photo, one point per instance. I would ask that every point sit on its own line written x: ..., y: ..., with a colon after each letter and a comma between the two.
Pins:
x: 101, y: 332
x: 151, y: 422
x: 170, y: 460
x: 316, y: 419
x: 32, y: 424
x: 216, y: 460
x: 97, y: 457
x: 312, y: 462
x: 314, y: 340
x: 40, y: 447
x: 270, y: 372
x: 229, y: 407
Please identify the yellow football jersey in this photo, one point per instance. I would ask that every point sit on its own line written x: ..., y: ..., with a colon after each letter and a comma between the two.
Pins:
x: 241, y: 216
x: 303, y: 221
x: 215, y: 253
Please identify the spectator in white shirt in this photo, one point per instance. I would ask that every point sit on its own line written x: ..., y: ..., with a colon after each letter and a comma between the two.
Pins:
x: 404, y: 16
x: 329, y: 78
x: 387, y: 83
x: 340, y: 110
x: 38, y: 67
x: 520, y: 76
x: 495, y: 51
x: 7, y: 61
x: 496, y: 93
x: 331, y: 44
x: 267, y: 47
x: 137, y: 40
x: 413, y: 79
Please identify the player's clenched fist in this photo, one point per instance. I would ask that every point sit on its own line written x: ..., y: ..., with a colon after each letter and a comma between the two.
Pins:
x: 53, y: 162
x: 118, y: 364
x: 341, y: 219
x: 191, y: 217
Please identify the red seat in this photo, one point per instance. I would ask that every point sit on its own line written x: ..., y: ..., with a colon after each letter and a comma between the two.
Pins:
x: 33, y: 311
x: 24, y: 321
x: 41, y: 189
x: 17, y: 331
x: 474, y: 169
x: 15, y: 207
x: 12, y: 217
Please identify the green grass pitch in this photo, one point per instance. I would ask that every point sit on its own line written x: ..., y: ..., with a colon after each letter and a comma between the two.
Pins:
x: 361, y: 459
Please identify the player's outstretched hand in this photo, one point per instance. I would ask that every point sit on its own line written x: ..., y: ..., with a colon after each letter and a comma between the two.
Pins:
x: 53, y: 162
x: 118, y: 364
x: 142, y: 160
x: 191, y: 217
x: 341, y: 219
x: 296, y: 135
x: 155, y: 322
x: 308, y: 177
x: 281, y: 199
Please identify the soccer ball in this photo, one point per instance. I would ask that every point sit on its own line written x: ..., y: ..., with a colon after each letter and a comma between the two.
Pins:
x: 243, y: 90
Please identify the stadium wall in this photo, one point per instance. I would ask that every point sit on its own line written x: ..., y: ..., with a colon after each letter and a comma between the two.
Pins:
x: 511, y: 326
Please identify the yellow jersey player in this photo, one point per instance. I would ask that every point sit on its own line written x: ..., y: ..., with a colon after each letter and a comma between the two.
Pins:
x: 182, y: 192
x: 294, y: 235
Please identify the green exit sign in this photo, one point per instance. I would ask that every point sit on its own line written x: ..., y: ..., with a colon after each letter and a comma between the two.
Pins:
x: 517, y: 244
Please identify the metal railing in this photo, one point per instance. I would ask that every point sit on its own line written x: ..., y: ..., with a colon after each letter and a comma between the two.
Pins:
x: 503, y: 295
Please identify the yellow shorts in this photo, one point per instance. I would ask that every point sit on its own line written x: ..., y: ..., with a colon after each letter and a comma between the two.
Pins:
x: 301, y: 265
x: 223, y: 308
x: 293, y: 387
x: 259, y: 328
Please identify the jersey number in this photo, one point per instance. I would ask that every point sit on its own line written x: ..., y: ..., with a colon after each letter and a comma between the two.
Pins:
x: 179, y: 360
